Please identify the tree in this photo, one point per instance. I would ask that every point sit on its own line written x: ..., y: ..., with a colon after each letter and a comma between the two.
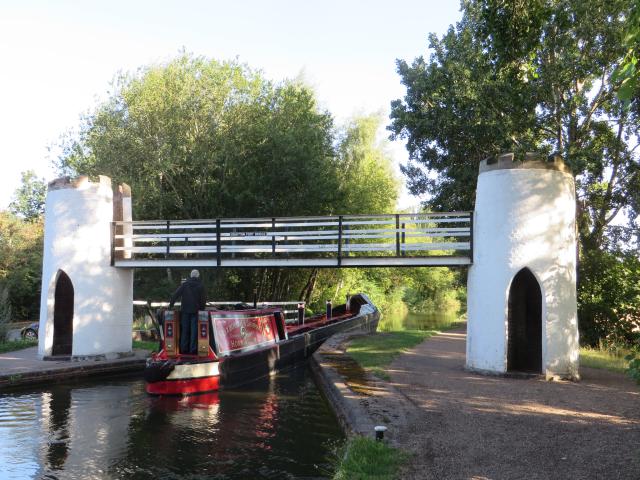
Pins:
x: 521, y: 76
x: 524, y: 76
x: 21, y: 263
x: 609, y: 298
x: 366, y: 173
x: 367, y: 186
x: 198, y: 138
x: 29, y: 198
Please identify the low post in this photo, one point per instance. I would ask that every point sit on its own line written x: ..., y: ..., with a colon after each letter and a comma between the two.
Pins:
x: 329, y: 309
x: 471, y: 237
x: 255, y: 298
x: 397, y: 235
x: 273, y: 237
x: 340, y: 240
x: 301, y: 313
x: 113, y: 243
x: 380, y: 429
x: 347, y: 303
x: 166, y: 255
x: 218, y: 243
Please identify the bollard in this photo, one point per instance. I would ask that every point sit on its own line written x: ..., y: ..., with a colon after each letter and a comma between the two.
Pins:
x: 380, y: 429
x: 329, y: 309
x: 347, y: 303
x: 255, y: 298
x: 301, y: 313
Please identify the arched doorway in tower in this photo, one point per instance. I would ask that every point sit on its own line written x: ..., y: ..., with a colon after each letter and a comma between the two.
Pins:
x: 524, y: 351
x: 63, y: 316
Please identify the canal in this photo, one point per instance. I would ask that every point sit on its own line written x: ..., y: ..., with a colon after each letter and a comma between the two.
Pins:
x: 111, y: 429
x: 279, y: 428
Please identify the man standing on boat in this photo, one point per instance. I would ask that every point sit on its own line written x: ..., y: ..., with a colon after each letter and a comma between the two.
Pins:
x: 192, y: 294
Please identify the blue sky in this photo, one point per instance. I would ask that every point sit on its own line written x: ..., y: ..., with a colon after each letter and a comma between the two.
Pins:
x: 58, y: 58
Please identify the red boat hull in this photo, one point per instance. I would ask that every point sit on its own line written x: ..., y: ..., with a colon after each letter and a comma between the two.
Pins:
x: 185, y: 386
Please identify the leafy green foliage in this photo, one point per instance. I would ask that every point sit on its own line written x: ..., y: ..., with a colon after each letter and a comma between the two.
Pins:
x: 521, y: 76
x: 433, y: 290
x: 197, y: 138
x: 609, y: 297
x: 21, y: 234
x: 21, y: 263
x: 365, y: 459
x: 393, y: 289
x: 628, y: 72
x: 144, y: 345
x: 633, y: 369
x: 366, y: 174
x: 383, y: 285
x: 28, y: 202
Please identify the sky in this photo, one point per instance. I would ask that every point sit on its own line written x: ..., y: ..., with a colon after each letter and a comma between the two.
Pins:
x: 58, y: 58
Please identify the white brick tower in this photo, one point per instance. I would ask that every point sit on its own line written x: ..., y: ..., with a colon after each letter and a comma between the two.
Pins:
x: 86, y: 304
x: 522, y: 284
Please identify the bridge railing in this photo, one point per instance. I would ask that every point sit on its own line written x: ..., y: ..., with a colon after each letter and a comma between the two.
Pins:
x: 345, y: 240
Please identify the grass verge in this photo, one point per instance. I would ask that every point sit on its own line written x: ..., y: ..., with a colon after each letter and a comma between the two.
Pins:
x: 365, y: 459
x: 375, y: 352
x: 17, y: 345
x: 603, y: 359
x: 151, y: 346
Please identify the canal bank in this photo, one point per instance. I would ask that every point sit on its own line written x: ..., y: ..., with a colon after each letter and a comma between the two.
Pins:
x: 360, y: 400
x: 460, y: 425
x: 22, y: 367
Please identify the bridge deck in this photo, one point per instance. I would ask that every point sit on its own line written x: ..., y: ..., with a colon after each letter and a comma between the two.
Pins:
x: 431, y: 239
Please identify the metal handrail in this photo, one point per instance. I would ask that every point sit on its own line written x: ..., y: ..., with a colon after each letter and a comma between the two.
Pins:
x: 398, y: 235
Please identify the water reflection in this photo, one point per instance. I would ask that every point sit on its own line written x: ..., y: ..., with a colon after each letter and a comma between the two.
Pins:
x: 56, y: 414
x: 83, y: 429
x: 398, y: 321
x: 280, y: 428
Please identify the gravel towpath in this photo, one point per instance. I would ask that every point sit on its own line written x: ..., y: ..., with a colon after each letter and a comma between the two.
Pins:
x: 469, y: 426
x: 461, y: 425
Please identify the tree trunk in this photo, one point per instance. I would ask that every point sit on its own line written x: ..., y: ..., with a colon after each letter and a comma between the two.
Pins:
x: 307, y: 290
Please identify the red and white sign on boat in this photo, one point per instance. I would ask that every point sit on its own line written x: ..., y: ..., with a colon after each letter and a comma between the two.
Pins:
x: 235, y: 332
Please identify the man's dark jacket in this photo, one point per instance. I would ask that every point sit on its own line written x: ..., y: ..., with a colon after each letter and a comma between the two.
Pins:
x: 192, y: 294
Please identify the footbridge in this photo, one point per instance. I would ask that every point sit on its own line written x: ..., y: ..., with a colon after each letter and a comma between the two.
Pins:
x: 520, y: 244
x: 409, y: 240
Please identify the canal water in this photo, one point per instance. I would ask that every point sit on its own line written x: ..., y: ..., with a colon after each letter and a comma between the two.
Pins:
x: 280, y: 428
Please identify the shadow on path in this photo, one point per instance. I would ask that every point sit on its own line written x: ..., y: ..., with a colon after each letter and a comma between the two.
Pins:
x: 482, y: 427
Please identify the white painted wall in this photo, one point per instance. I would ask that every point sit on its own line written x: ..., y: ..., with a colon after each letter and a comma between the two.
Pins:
x: 524, y: 217
x: 77, y: 239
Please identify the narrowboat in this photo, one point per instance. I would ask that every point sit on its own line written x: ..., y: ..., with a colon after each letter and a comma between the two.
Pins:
x: 238, y: 346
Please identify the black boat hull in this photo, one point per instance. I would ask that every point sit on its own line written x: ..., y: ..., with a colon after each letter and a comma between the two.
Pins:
x: 244, y: 367
x: 189, y: 376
